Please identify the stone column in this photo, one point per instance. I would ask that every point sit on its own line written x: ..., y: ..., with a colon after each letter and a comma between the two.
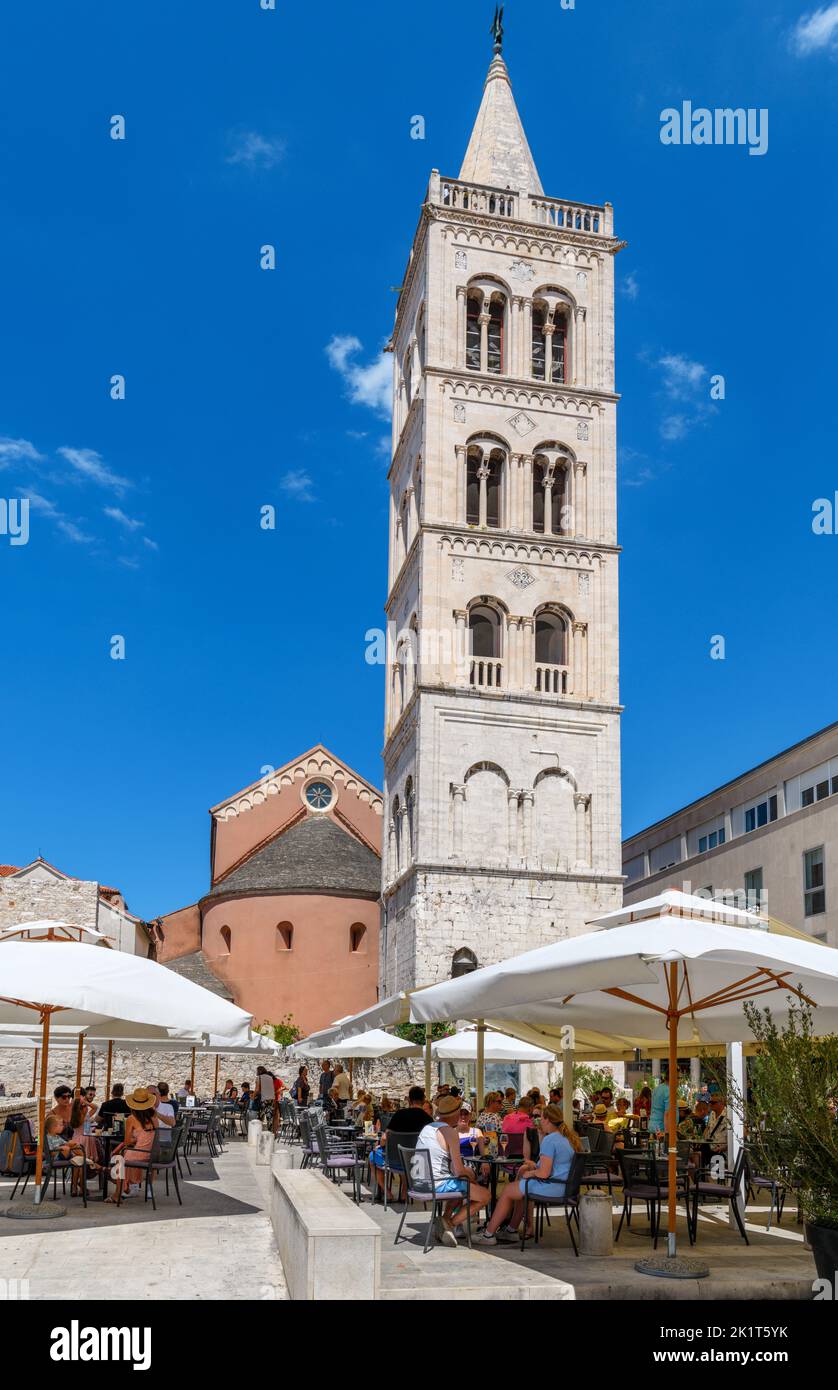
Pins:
x: 580, y: 481
x: 482, y: 476
x: 512, y: 799
x: 461, y: 326
x: 549, y: 330
x: 412, y: 516
x: 548, y: 502
x: 458, y: 797
x: 527, y: 801
x: 580, y: 660
x: 460, y: 451
x: 527, y: 648
x: 512, y: 493
x: 511, y: 652
x: 483, y: 320
x: 514, y: 367
x: 695, y: 1072
x: 580, y: 371
x: 526, y: 514
x: 526, y: 359
x: 461, y: 651
x: 582, y: 805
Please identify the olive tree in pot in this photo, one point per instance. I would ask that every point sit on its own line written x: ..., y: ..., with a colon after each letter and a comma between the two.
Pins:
x: 791, y: 1115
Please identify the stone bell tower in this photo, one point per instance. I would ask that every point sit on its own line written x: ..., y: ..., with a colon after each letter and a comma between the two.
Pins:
x: 502, y: 751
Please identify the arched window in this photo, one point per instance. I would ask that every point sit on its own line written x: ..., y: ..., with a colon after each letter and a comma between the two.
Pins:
x: 395, y: 835
x: 284, y: 936
x: 485, y: 328
x: 226, y: 937
x: 485, y: 462
x: 551, y: 652
x: 409, y: 804
x: 550, y: 354
x: 484, y: 627
x: 357, y: 934
x: 549, y: 480
x: 463, y: 963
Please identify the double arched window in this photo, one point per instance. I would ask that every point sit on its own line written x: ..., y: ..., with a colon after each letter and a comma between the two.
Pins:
x: 551, y: 478
x: 485, y: 466
x: 551, y: 315
x: 486, y: 306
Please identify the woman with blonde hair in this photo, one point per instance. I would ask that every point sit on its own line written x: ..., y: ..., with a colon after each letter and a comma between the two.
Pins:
x: 546, y: 1178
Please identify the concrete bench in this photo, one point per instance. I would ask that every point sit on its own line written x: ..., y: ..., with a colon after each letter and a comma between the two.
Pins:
x: 328, y: 1246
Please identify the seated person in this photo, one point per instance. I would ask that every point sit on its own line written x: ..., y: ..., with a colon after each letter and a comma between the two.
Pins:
x: 330, y: 1100
x: 60, y: 1147
x: 410, y: 1120
x: 600, y: 1114
x: 619, y: 1120
x: 691, y: 1122
x: 115, y: 1106
x: 520, y: 1120
x: 490, y: 1119
x: 606, y: 1098
x: 441, y: 1141
x: 547, y: 1177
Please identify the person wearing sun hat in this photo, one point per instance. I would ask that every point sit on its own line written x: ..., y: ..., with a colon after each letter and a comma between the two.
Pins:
x: 441, y: 1141
x: 140, y: 1128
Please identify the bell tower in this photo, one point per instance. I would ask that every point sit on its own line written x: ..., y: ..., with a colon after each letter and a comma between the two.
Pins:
x: 502, y: 745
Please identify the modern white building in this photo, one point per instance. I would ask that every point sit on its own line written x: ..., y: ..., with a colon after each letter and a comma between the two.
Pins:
x: 502, y: 765
x: 769, y: 837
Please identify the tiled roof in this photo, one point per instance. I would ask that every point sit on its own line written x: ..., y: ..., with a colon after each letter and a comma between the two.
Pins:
x: 314, y: 856
x: 194, y: 967
x: 6, y: 869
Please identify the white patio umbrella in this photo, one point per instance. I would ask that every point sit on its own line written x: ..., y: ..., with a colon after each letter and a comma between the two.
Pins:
x: 497, y: 1047
x: 675, y: 968
x: 53, y: 931
x: 90, y: 989
x: 362, y: 1047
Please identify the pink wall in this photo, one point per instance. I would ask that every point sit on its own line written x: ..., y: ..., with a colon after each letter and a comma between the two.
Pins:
x: 318, y: 980
x: 181, y: 933
x: 236, y: 838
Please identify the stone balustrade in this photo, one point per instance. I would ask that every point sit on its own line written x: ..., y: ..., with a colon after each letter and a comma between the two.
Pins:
x: 551, y: 680
x: 554, y: 213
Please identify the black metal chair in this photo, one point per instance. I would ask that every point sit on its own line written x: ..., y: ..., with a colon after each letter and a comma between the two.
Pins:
x: 645, y: 1178
x: 393, y: 1145
x: 420, y: 1187
x: 339, y: 1158
x: 728, y: 1190
x: 50, y: 1168
x: 569, y: 1201
x: 755, y: 1182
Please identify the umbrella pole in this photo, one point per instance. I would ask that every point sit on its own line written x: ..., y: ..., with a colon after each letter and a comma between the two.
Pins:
x: 215, y: 1090
x: 193, y: 1071
x: 79, y: 1061
x: 567, y: 1087
x: 110, y: 1068
x: 35, y: 1073
x: 481, y: 1050
x: 42, y: 1104
x: 428, y: 1037
x: 673, y: 1101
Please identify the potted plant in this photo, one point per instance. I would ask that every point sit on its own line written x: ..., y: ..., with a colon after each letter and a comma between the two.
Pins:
x: 791, y: 1117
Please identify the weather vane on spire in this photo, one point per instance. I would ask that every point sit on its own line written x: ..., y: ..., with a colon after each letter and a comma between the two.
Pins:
x: 497, y: 28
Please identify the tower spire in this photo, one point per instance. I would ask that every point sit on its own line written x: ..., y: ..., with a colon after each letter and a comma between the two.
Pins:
x: 498, y: 153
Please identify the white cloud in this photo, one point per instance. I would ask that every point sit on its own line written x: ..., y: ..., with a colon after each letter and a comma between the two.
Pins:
x: 13, y: 450
x: 681, y: 377
x: 90, y: 465
x: 816, y: 31
x: 129, y: 522
x: 255, y: 151
x: 370, y: 384
x: 64, y: 524
x: 630, y: 286
x: 674, y: 426
x: 298, y: 485
x: 152, y: 545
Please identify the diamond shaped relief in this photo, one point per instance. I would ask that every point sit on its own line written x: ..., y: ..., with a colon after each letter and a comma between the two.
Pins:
x: 521, y: 578
x: 522, y: 423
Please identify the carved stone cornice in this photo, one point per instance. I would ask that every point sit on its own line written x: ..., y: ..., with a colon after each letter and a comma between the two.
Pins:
x: 518, y: 390
x: 525, y: 235
x: 577, y: 552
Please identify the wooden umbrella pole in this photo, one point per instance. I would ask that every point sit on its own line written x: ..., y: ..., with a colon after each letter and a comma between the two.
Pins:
x: 672, y: 1020
x: 42, y: 1103
x: 193, y: 1071
x: 215, y: 1090
x: 35, y: 1074
x: 79, y: 1061
x: 110, y: 1069
x: 429, y: 1033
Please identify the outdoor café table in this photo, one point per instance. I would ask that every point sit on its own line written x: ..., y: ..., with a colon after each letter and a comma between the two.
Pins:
x: 495, y: 1163
x: 108, y: 1140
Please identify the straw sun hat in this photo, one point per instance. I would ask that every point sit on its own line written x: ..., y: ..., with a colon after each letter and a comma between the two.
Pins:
x: 140, y: 1099
x: 448, y: 1105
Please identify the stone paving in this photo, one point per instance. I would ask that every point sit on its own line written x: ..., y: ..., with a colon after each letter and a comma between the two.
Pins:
x: 218, y: 1245
x: 773, y: 1266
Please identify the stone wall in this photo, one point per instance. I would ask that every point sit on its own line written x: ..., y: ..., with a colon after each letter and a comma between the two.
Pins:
x: 40, y: 898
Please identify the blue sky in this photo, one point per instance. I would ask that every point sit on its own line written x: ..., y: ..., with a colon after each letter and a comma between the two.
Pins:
x: 141, y: 257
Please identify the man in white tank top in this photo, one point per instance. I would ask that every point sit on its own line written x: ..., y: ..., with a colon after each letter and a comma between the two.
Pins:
x: 441, y: 1140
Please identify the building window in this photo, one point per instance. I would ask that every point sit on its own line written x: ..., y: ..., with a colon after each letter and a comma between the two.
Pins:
x: 463, y: 963
x: 761, y: 814
x: 818, y: 792
x: 484, y: 481
x: 473, y: 333
x: 753, y: 889
x: 485, y: 309
x: 284, y: 936
x: 549, y: 344
x: 814, y: 882
x: 484, y: 627
x: 357, y: 932
x: 495, y: 336
x: 227, y: 938
x: 548, y: 476
x: 319, y: 796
